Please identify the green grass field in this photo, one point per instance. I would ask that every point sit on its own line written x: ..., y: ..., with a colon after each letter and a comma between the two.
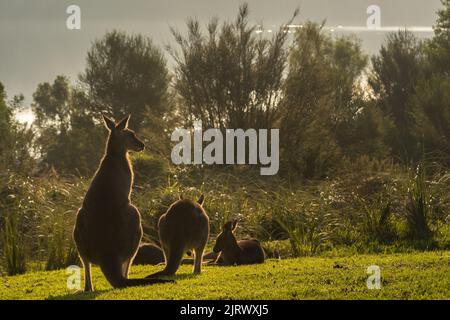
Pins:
x: 404, y: 276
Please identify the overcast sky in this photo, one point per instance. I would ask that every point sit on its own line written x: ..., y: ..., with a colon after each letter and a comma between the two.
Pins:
x: 35, y: 44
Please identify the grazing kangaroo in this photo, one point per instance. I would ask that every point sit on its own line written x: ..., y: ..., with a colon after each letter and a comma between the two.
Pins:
x: 185, y: 226
x: 108, y: 227
x: 149, y: 254
x: 233, y: 252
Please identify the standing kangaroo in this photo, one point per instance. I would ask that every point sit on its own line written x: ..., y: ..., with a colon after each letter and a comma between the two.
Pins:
x: 233, y: 252
x: 185, y: 226
x: 108, y: 227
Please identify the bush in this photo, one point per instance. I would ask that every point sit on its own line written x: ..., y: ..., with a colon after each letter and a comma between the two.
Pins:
x: 307, y: 225
x: 377, y: 223
x: 149, y: 170
x: 418, y: 208
x: 13, y: 245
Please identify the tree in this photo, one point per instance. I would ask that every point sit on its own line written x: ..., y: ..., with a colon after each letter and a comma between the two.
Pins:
x: 439, y: 46
x: 6, y: 134
x: 431, y: 112
x: 69, y: 136
x: 230, y: 77
x: 15, y: 139
x: 395, y: 73
x: 431, y: 102
x: 127, y: 74
x: 320, y: 99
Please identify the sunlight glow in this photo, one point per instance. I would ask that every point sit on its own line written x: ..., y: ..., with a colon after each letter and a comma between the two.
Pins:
x: 25, y: 116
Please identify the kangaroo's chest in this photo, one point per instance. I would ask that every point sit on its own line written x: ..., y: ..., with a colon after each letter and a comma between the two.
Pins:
x: 110, y: 187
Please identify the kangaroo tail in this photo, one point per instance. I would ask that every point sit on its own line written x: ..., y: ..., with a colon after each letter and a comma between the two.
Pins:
x: 113, y: 274
x: 173, y: 261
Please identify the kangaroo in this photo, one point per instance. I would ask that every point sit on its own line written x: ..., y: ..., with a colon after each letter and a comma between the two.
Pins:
x: 108, y: 227
x: 183, y: 227
x: 233, y: 252
x: 149, y: 254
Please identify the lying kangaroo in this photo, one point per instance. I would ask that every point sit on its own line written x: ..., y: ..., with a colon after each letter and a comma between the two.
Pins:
x: 149, y: 254
x: 185, y: 226
x: 233, y: 252
x: 108, y: 227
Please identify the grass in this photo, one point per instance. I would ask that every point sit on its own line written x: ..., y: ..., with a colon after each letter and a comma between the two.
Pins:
x: 373, y: 206
x: 11, y: 241
x: 404, y: 276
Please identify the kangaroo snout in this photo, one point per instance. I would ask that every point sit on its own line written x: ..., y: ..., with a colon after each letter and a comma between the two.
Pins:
x: 140, y: 146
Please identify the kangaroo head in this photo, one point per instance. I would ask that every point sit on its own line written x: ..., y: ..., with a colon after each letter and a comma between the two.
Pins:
x: 225, y: 236
x: 120, y: 137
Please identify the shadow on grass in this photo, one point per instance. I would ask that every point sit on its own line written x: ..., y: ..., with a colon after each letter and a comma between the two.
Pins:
x: 183, y: 276
x: 79, y: 295
x: 93, y: 295
x: 176, y: 277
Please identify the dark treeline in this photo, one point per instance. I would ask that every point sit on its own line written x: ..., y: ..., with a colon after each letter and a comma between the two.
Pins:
x: 331, y: 101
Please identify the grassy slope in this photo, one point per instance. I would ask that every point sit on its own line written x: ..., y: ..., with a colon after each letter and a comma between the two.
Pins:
x: 404, y: 276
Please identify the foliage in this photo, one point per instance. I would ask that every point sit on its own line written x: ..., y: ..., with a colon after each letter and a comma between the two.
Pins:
x: 418, y: 207
x: 15, y: 139
x: 320, y: 99
x: 395, y: 74
x: 127, y: 74
x: 13, y: 246
x: 39, y: 219
x: 68, y: 137
x: 377, y: 223
x: 439, y: 47
x: 230, y: 77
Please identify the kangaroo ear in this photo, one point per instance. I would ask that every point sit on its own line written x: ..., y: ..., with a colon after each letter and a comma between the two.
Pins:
x: 109, y: 123
x: 234, y: 225
x: 123, y: 123
x: 201, y: 199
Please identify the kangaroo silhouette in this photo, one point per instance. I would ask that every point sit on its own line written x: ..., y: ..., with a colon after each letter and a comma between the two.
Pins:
x: 234, y: 252
x: 149, y: 254
x: 108, y: 227
x: 185, y: 226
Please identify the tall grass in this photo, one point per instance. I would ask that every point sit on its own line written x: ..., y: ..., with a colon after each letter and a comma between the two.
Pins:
x: 13, y: 246
x: 56, y: 256
x: 39, y: 223
x: 418, y: 207
x: 359, y: 210
x: 307, y: 224
x: 377, y: 222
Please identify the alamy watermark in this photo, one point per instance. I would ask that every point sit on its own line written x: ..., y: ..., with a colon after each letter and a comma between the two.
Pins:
x: 73, y: 21
x: 74, y: 278
x: 374, y: 280
x: 251, y: 144
x: 374, y: 19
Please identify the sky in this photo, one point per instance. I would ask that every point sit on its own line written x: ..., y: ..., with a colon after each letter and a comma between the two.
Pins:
x: 36, y: 46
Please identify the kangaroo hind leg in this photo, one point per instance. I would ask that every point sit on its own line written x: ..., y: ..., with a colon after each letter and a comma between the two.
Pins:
x: 126, y: 268
x: 88, y: 286
x: 174, y: 255
x: 198, y: 259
